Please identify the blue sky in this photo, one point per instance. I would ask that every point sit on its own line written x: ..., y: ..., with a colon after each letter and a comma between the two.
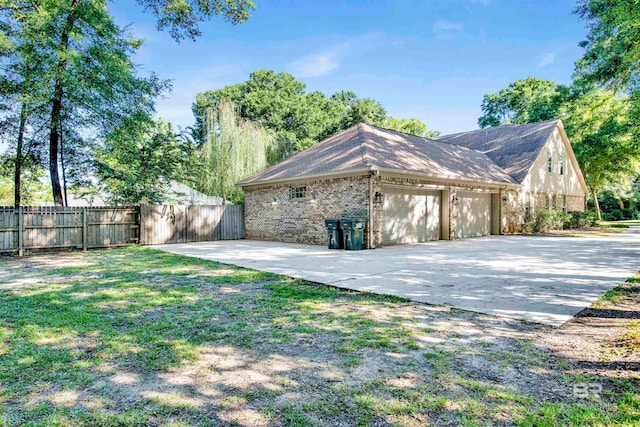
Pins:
x: 429, y: 59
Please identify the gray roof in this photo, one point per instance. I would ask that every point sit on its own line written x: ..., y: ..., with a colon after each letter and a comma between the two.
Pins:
x: 366, y: 146
x: 512, y: 147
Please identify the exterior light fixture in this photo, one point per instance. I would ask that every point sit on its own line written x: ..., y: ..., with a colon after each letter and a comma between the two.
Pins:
x: 274, y: 201
x: 454, y: 199
x: 378, y: 198
x: 504, y: 199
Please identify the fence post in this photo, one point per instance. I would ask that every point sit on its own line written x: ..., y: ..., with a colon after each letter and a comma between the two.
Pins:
x: 85, y: 232
x: 20, y: 235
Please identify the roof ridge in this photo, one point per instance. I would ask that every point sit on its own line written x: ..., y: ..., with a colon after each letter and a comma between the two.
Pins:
x: 497, y: 127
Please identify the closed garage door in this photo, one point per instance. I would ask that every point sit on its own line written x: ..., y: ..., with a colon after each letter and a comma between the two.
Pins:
x: 474, y: 215
x: 411, y: 216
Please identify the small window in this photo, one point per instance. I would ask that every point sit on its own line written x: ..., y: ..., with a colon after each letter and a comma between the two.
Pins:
x: 298, y: 193
x: 561, y: 165
x: 564, y: 203
x: 550, y: 162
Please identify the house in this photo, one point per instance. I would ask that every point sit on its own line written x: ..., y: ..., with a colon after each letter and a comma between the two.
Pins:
x: 412, y: 189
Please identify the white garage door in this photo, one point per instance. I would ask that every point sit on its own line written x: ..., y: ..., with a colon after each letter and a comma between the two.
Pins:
x: 411, y: 216
x: 474, y: 215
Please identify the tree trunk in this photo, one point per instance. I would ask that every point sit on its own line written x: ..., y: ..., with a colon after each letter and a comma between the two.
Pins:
x: 64, y: 173
x: 56, y: 106
x: 17, y: 177
x: 595, y: 203
x: 621, y: 203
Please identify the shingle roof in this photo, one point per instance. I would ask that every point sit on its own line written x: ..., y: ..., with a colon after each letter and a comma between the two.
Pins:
x: 512, y: 147
x: 366, y: 146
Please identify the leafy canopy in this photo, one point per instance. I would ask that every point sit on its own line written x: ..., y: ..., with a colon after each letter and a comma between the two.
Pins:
x: 139, y: 160
x: 298, y: 119
x: 523, y: 101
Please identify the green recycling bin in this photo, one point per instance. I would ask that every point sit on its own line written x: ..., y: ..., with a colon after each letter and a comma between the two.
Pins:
x: 353, y: 233
x: 334, y: 234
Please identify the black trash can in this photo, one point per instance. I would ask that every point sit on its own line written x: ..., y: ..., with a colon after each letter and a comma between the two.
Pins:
x: 353, y: 233
x: 334, y: 234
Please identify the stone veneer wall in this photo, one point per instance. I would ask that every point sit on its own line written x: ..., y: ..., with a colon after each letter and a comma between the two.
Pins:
x: 378, y: 216
x: 513, y: 211
x: 302, y: 221
x: 576, y: 203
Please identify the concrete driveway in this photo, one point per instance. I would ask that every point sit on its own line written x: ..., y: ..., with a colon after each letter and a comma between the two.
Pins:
x: 541, y: 279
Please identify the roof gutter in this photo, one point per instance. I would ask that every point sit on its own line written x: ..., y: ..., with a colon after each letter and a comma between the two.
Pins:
x: 452, y: 181
x: 301, y: 178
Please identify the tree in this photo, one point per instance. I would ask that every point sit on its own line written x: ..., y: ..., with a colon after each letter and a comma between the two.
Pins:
x: 523, y: 101
x: 411, y: 126
x: 597, y: 124
x: 296, y: 118
x: 612, y: 56
x: 33, y: 183
x: 235, y: 148
x: 181, y: 17
x: 139, y: 160
x: 91, y: 76
x: 22, y: 86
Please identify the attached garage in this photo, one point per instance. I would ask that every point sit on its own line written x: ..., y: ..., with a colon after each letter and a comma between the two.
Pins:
x: 474, y: 214
x: 411, y: 215
x: 409, y: 189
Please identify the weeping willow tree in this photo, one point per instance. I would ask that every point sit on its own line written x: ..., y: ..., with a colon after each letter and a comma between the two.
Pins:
x: 234, y: 149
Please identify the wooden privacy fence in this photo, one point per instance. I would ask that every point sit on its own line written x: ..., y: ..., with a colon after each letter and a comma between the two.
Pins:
x: 36, y: 228
x: 181, y: 224
x: 67, y: 227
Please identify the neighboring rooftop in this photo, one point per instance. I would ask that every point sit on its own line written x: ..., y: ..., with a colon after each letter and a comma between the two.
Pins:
x: 512, y: 147
x: 366, y: 146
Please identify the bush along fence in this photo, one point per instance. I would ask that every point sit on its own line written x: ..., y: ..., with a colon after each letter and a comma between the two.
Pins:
x: 41, y: 228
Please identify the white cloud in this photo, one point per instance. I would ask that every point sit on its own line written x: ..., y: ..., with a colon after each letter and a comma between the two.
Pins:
x: 547, y: 59
x: 316, y: 65
x: 447, y: 29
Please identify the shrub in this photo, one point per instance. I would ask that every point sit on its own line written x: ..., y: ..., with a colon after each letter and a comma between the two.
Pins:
x: 544, y: 220
x: 583, y: 219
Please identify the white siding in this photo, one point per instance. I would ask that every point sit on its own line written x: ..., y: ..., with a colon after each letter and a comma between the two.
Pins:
x: 540, y: 180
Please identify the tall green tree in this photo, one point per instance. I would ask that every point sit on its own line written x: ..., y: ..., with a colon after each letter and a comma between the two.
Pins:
x: 612, y: 50
x: 523, y: 101
x: 597, y: 123
x: 298, y: 119
x: 139, y: 160
x: 235, y: 149
x: 91, y: 76
x: 23, y: 80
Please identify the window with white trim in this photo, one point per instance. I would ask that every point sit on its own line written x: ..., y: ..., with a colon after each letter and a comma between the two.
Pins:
x: 561, y: 165
x: 549, y: 162
x: 298, y: 193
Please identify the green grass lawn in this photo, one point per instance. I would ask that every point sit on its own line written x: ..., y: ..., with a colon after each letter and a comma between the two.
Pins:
x: 619, y: 224
x: 138, y: 337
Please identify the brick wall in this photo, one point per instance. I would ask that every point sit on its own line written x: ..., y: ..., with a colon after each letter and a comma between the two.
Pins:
x: 271, y: 214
